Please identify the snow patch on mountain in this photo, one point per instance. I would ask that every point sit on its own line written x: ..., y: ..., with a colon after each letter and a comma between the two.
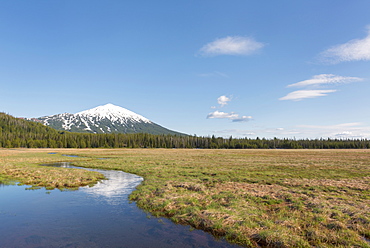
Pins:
x: 113, y: 113
x: 107, y: 118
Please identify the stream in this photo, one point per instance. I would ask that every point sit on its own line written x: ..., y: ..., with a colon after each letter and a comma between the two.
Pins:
x: 98, y: 216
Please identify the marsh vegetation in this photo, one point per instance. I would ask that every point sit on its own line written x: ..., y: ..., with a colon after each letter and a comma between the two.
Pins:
x: 98, y: 216
x: 271, y: 198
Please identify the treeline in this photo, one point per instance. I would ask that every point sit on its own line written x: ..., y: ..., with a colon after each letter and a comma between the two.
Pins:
x: 16, y: 133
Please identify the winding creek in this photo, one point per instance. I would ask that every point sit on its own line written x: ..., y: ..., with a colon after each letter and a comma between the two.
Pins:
x: 98, y: 216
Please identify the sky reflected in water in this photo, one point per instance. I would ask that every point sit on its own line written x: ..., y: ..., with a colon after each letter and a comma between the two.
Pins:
x: 99, y: 216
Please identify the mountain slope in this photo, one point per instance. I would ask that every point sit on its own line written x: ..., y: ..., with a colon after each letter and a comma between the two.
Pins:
x: 12, y: 126
x: 17, y: 132
x: 108, y: 118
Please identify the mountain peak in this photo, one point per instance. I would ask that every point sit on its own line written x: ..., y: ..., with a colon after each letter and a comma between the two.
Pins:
x: 107, y: 118
x: 113, y: 113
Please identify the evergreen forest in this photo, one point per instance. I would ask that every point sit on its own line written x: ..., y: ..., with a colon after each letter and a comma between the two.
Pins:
x: 20, y: 133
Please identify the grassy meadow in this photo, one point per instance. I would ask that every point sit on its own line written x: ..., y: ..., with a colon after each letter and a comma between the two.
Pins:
x: 270, y: 198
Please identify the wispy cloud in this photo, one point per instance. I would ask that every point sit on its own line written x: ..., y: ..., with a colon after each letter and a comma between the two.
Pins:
x: 337, y: 126
x: 316, y: 81
x: 231, y: 116
x: 231, y: 45
x: 243, y: 118
x: 223, y: 100
x: 354, y: 50
x: 325, y: 79
x: 352, y: 130
x: 258, y: 132
x: 303, y: 94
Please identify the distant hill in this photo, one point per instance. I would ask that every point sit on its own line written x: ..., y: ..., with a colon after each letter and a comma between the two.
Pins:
x: 17, y: 132
x: 20, y: 132
x: 108, y: 118
x: 12, y: 125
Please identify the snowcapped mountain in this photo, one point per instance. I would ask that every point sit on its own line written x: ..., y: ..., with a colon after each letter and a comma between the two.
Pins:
x: 107, y: 118
x: 113, y: 113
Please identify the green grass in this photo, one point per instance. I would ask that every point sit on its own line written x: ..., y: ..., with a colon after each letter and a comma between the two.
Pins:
x: 271, y: 198
x: 24, y: 166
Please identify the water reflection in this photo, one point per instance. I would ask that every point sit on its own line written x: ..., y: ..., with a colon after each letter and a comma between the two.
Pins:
x: 114, y: 189
x: 98, y: 216
x: 72, y: 156
x: 118, y: 185
x: 6, y: 183
x: 61, y: 164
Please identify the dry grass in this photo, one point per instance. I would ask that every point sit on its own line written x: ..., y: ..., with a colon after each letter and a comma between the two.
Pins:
x: 23, y: 165
x: 270, y: 198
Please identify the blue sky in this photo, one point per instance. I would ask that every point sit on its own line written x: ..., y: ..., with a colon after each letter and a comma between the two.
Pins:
x: 286, y: 69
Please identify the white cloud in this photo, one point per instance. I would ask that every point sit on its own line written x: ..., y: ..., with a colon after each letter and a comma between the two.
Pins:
x: 354, y: 50
x: 242, y: 119
x: 303, y: 94
x: 249, y: 134
x: 352, y: 130
x: 231, y: 45
x: 337, y: 126
x: 314, y: 82
x: 223, y: 100
x: 344, y: 134
x: 222, y: 115
x: 325, y: 79
x: 231, y: 116
x: 258, y: 132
